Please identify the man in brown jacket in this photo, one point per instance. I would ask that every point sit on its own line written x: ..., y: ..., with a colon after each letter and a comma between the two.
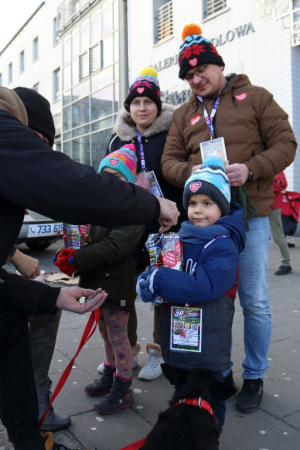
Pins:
x: 259, y: 143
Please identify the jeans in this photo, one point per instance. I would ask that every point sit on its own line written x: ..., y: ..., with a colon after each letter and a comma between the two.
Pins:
x: 254, y: 299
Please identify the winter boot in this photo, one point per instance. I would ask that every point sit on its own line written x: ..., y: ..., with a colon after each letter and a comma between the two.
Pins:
x: 53, y: 421
x: 51, y: 445
x: 135, y: 364
x: 152, y: 368
x: 103, y: 385
x: 120, y: 397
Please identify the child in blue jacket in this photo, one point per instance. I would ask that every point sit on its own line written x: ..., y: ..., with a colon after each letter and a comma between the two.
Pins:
x: 212, y: 240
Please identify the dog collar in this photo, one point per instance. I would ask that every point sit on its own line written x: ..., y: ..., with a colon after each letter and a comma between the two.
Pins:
x: 203, y: 404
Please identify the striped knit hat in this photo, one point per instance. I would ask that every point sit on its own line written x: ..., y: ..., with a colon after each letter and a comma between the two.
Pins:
x: 196, y: 50
x: 211, y: 180
x: 145, y: 85
x: 123, y: 160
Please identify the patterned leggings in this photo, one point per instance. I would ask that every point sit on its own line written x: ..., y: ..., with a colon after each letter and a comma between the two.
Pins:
x: 118, y: 352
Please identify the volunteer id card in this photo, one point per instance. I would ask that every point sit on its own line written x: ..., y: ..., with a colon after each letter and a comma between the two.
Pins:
x: 214, y: 147
x: 186, y: 329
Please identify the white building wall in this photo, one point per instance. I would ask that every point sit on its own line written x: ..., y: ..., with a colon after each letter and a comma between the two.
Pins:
x: 264, y: 53
x: 49, y: 56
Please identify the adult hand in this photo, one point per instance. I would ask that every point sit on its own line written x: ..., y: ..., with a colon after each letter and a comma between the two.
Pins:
x: 168, y: 214
x: 67, y: 299
x: 26, y: 265
x: 199, y: 166
x: 237, y: 174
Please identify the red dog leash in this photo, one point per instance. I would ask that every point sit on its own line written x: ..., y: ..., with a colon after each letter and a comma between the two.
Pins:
x: 87, y: 333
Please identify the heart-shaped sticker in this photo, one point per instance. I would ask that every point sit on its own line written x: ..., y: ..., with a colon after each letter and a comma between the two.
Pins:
x: 193, y: 62
x: 195, y: 186
x: 241, y: 97
x: 140, y: 90
x: 195, y: 119
x: 114, y: 162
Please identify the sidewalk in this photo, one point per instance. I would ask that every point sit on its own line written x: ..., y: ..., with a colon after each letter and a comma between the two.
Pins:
x: 275, y: 426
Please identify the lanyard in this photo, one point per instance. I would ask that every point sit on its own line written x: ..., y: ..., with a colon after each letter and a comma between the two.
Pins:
x: 193, y: 269
x: 142, y: 154
x: 209, y: 118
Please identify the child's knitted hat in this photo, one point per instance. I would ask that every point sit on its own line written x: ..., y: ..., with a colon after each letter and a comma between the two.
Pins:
x: 123, y: 160
x: 145, y: 85
x: 196, y: 50
x: 211, y: 180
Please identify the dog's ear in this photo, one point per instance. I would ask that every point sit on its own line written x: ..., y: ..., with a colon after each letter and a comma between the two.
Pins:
x: 222, y: 391
x: 175, y: 375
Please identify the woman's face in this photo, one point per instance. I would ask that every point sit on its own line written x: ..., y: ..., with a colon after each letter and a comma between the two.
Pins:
x: 143, y: 112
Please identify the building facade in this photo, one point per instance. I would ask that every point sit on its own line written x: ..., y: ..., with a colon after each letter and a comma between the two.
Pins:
x: 83, y: 54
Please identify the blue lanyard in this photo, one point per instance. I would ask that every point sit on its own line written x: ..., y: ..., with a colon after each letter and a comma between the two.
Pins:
x: 209, y: 118
x: 193, y: 270
x: 142, y: 154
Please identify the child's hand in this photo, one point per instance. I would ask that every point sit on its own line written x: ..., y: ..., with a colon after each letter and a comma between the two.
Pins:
x: 144, y: 286
x: 65, y: 261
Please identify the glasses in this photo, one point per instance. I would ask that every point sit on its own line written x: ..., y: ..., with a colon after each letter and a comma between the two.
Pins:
x: 198, y: 72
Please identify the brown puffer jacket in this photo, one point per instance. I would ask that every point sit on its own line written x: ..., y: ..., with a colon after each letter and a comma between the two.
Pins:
x: 256, y: 131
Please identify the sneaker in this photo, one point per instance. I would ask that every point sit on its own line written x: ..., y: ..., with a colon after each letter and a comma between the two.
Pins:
x: 51, y: 445
x: 120, y: 397
x: 229, y: 379
x: 135, y: 364
x: 152, y: 368
x: 283, y: 270
x: 250, y: 396
x: 103, y: 385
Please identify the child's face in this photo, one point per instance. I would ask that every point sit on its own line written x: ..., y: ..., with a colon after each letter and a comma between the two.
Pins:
x: 202, y: 210
x: 115, y: 172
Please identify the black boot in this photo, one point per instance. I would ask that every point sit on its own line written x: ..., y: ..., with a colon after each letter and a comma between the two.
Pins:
x: 103, y: 385
x: 120, y: 397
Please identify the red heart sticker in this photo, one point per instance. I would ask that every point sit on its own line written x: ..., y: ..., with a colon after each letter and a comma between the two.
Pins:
x: 241, y: 97
x: 169, y: 259
x: 83, y: 229
x: 195, y: 119
x: 193, y: 62
x: 140, y: 90
x: 114, y: 162
x: 195, y: 186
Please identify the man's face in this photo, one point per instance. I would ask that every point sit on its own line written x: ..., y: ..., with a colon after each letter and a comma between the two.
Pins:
x: 207, y: 80
x: 44, y: 139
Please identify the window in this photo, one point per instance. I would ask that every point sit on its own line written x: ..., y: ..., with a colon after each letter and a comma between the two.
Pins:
x: 55, y: 31
x: 35, y: 52
x: 56, y: 85
x: 213, y: 7
x: 36, y: 87
x: 83, y: 65
x: 163, y: 23
x: 10, y: 77
x: 22, y: 61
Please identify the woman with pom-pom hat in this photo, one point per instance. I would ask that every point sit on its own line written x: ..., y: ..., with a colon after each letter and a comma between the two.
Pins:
x: 259, y: 144
x: 145, y: 122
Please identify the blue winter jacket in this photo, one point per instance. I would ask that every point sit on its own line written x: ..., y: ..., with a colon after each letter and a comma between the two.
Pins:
x: 215, y: 274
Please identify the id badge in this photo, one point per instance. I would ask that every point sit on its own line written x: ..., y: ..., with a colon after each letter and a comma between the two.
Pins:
x: 214, y: 147
x: 154, y: 185
x: 186, y: 329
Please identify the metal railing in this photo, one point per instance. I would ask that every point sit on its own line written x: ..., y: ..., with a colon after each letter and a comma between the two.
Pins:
x: 69, y: 10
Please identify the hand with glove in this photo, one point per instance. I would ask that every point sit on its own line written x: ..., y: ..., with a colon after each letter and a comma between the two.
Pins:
x: 65, y: 261
x: 144, y: 285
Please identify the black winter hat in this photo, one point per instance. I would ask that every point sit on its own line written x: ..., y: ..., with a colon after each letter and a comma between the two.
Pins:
x: 145, y: 85
x: 38, y: 110
x: 196, y: 50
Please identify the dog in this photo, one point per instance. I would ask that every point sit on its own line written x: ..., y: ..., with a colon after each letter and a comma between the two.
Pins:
x: 190, y: 422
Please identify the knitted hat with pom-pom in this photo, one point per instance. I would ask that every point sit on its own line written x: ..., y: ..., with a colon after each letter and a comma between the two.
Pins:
x: 123, y: 161
x: 211, y: 180
x: 145, y: 85
x: 196, y: 50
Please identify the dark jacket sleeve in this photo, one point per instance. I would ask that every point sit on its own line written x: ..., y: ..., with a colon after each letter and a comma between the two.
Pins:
x: 118, y: 243
x: 214, y: 277
x: 25, y: 295
x: 35, y: 177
